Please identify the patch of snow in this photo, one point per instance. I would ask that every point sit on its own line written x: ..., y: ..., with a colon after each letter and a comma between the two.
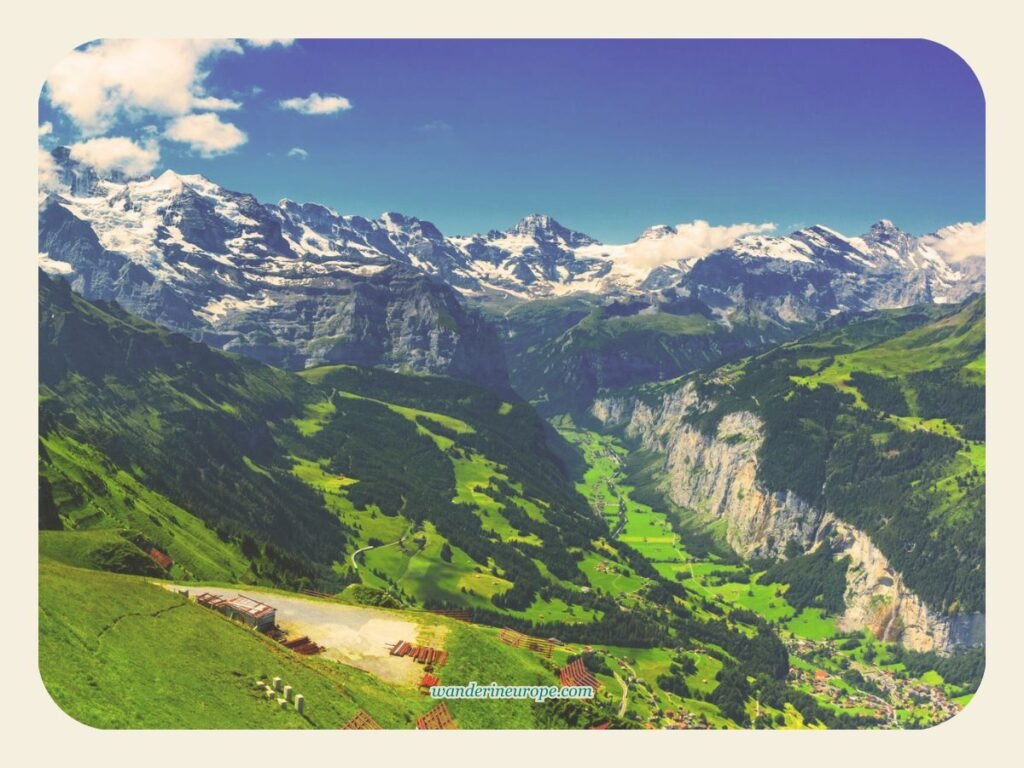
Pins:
x: 175, y: 237
x: 768, y: 247
x: 217, y: 309
x: 54, y: 267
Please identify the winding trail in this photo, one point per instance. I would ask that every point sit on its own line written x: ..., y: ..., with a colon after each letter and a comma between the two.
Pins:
x: 352, y: 557
x: 153, y: 614
x: 625, y: 693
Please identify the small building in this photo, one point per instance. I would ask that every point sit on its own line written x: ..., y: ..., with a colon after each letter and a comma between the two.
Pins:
x: 161, y: 558
x: 210, y: 600
x: 248, y: 611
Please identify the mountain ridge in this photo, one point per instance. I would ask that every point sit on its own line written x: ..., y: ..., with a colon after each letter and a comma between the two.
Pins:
x: 537, y: 256
x: 298, y: 285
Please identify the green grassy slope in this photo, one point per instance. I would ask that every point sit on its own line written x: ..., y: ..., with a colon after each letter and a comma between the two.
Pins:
x: 456, y: 489
x: 120, y: 652
x: 243, y: 473
x: 101, y: 549
x: 93, y: 495
x: 144, y: 429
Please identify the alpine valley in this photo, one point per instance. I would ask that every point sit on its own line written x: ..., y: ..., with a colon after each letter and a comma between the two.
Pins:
x: 744, y: 486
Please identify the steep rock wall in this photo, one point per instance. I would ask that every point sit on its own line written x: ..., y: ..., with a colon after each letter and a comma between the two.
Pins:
x: 716, y: 476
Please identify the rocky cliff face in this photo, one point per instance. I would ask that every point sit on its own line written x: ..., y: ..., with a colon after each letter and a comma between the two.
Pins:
x: 717, y: 477
x: 217, y: 267
x: 877, y: 598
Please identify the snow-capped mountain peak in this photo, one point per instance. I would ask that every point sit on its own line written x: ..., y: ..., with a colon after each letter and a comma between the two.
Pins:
x: 884, y: 228
x: 772, y: 247
x: 888, y: 242
x: 535, y: 224
x: 168, y: 181
x: 176, y: 226
x: 657, y: 232
x: 544, y: 228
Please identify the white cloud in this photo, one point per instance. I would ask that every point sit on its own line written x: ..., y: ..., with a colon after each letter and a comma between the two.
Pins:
x: 206, y: 134
x: 267, y: 42
x: 298, y: 152
x: 959, y: 242
x: 131, y: 78
x: 117, y: 153
x: 45, y: 129
x: 216, y: 105
x: 686, y: 242
x: 49, y: 172
x: 315, y: 104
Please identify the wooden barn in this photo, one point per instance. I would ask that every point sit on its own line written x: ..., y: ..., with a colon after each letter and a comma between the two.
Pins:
x: 161, y: 558
x: 250, y: 612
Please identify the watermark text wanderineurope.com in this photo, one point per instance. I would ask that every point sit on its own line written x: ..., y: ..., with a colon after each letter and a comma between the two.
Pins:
x: 494, y: 691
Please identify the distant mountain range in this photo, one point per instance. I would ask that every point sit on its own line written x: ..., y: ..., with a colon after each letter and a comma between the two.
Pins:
x: 299, y: 284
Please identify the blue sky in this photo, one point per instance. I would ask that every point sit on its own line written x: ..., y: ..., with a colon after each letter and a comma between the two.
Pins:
x: 607, y: 136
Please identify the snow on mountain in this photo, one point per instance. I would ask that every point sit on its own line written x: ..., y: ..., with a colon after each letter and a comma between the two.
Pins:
x: 536, y: 257
x: 185, y: 230
x: 783, y: 248
x: 289, y: 284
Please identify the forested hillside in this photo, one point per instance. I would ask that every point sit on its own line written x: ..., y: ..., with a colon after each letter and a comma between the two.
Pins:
x: 881, y: 421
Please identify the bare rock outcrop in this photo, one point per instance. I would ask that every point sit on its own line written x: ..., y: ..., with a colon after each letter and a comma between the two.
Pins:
x: 716, y: 476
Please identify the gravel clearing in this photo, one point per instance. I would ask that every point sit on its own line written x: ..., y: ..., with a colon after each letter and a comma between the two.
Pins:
x: 353, y: 635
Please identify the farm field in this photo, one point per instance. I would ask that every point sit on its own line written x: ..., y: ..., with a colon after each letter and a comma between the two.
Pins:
x: 643, y: 528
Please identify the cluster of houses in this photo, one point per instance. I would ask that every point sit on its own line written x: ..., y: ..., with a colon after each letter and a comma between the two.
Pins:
x: 823, y: 685
x: 898, y: 693
x: 916, y: 695
x: 681, y: 720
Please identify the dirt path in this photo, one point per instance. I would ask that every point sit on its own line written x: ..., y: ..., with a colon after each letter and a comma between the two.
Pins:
x: 625, y: 693
x: 353, y: 635
x: 377, y: 546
